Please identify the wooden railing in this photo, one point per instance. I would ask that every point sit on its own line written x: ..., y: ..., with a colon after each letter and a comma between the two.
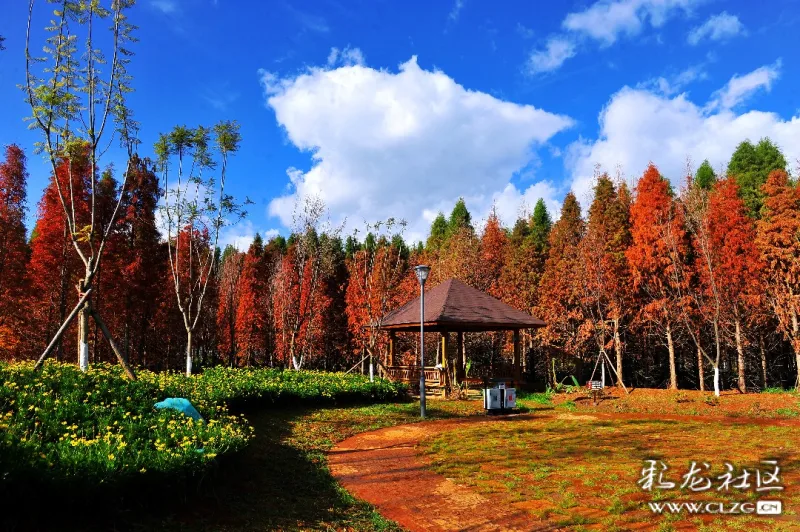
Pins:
x: 410, y: 374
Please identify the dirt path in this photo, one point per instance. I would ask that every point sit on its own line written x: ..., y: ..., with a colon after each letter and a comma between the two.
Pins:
x: 382, y: 468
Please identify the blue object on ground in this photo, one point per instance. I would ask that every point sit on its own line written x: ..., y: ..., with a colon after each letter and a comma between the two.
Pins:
x: 181, y: 405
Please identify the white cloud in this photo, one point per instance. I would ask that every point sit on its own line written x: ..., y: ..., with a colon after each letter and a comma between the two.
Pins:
x: 717, y: 28
x: 638, y: 126
x: 673, y: 84
x: 347, y: 57
x: 403, y: 144
x: 739, y: 88
x: 456, y: 11
x: 606, y: 20
x: 165, y: 6
x: 557, y: 51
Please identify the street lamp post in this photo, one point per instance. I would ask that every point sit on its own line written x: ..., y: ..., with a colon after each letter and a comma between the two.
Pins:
x: 422, y: 276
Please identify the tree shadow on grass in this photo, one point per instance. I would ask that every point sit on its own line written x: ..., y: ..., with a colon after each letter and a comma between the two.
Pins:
x: 271, y: 485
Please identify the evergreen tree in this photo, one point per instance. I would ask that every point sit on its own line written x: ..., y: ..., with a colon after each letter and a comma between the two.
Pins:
x: 438, y: 233
x: 541, y: 223
x: 750, y: 165
x: 460, y: 218
x: 705, y: 176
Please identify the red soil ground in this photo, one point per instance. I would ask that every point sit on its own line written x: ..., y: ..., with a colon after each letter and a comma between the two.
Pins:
x: 383, y: 467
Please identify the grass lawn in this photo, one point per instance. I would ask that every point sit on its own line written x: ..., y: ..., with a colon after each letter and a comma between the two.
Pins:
x: 279, y: 482
x: 587, y: 469
x: 577, y: 466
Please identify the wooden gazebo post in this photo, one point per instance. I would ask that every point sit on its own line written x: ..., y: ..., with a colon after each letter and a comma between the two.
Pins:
x: 390, y: 354
x: 461, y: 358
x: 517, y: 358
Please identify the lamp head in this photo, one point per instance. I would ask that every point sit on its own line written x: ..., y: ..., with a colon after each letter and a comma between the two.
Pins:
x: 422, y: 273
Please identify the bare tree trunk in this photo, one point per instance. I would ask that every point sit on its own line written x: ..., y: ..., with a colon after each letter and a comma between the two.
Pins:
x: 618, y: 351
x: 701, y: 370
x: 763, y: 351
x: 673, y: 376
x: 188, y: 352
x: 740, y: 356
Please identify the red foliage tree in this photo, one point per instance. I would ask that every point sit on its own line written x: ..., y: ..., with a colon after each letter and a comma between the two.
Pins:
x: 559, y: 301
x: 13, y: 249
x: 375, y: 287
x: 140, y: 255
x: 658, y: 234
x: 300, y: 300
x: 230, y: 274
x: 779, y: 243
x: 605, y: 284
x: 54, y: 268
x: 736, y: 261
x: 492, y: 254
x: 253, y: 312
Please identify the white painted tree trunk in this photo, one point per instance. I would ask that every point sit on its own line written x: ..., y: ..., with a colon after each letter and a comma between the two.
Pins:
x: 716, y: 380
x: 297, y: 363
x: 371, y: 370
x: 188, y: 353
x: 603, y: 373
x: 83, y: 338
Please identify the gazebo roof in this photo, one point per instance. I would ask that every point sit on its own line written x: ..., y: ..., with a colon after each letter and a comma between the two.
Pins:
x: 454, y: 306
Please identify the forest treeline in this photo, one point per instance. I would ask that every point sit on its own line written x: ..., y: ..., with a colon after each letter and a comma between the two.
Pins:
x: 697, y: 287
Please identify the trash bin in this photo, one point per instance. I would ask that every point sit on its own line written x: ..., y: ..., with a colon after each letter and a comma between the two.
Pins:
x: 499, y: 399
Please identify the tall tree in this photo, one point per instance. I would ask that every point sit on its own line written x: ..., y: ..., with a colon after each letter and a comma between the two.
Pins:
x: 143, y: 262
x: 705, y: 176
x: 252, y: 311
x: 750, y: 165
x: 493, y: 254
x: 606, y: 280
x: 737, y: 262
x: 230, y: 273
x: 53, y: 269
x: 559, y: 302
x: 196, y: 203
x: 657, y: 233
x: 71, y: 106
x: 541, y: 223
x: 374, y: 288
x: 13, y: 248
x: 300, y: 300
x: 438, y: 232
x: 460, y: 218
x: 779, y: 243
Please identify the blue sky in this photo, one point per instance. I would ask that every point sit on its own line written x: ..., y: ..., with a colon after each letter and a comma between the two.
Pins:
x: 398, y: 108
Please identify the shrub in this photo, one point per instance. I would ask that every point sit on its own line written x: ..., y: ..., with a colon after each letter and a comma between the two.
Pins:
x: 63, y: 426
x: 266, y: 385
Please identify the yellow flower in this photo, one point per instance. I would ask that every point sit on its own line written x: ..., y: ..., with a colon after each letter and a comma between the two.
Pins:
x: 110, y: 456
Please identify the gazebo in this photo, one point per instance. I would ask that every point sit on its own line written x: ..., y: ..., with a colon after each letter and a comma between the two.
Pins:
x: 454, y: 307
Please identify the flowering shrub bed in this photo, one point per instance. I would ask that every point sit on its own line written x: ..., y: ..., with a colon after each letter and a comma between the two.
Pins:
x: 234, y: 386
x: 98, y: 428
x: 60, y: 425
